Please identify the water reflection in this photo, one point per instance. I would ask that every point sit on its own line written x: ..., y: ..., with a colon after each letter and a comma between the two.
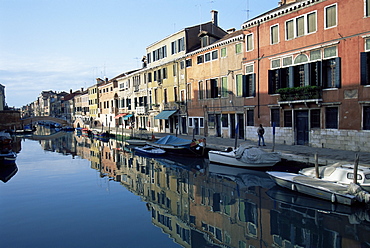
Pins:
x: 205, y: 205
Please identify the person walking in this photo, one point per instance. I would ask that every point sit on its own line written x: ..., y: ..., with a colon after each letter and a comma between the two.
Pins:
x: 261, y: 132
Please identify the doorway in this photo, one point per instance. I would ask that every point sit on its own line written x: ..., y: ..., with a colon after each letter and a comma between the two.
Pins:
x: 301, y: 126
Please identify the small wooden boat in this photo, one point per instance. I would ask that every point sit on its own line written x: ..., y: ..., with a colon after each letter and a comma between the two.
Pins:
x: 149, y: 150
x: 341, y: 173
x: 334, y: 192
x: 245, y: 156
x: 136, y: 142
x: 179, y: 146
x: 8, y: 157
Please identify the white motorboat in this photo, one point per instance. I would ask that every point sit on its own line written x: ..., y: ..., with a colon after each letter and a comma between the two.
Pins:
x: 341, y: 173
x: 334, y: 192
x: 245, y: 156
x: 150, y: 150
x: 136, y: 142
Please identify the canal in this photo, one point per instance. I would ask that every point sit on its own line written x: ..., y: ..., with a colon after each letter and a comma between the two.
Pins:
x: 72, y: 191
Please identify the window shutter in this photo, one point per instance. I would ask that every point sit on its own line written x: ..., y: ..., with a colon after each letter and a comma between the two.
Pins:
x: 364, y: 61
x: 307, y: 68
x: 245, y: 86
x: 291, y: 77
x: 270, y: 81
x: 337, y: 73
x: 253, y: 90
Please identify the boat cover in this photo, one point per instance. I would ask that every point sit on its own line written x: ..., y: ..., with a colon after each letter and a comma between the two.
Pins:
x: 255, y: 155
x: 174, y: 141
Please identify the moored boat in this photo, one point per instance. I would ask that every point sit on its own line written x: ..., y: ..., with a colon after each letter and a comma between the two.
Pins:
x: 149, y: 150
x: 180, y: 146
x: 341, y: 173
x: 331, y: 191
x: 245, y: 156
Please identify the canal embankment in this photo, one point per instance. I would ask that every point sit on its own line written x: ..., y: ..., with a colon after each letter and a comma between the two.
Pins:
x: 297, y: 153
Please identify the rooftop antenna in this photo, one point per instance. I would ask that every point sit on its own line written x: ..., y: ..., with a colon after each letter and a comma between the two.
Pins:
x: 137, y: 61
x: 200, y: 17
x: 247, y: 10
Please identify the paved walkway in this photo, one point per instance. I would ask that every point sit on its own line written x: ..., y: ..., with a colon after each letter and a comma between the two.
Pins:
x: 290, y: 152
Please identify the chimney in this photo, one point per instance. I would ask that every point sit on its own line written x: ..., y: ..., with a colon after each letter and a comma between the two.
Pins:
x: 82, y: 90
x: 230, y: 30
x: 70, y: 91
x: 214, y: 17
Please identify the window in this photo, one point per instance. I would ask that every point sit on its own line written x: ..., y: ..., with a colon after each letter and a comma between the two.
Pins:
x: 289, y: 30
x: 164, y: 74
x: 331, y: 73
x: 173, y: 47
x: 223, y: 52
x: 331, y: 117
x: 315, y: 118
x: 174, y: 70
x: 238, y: 48
x: 366, y: 118
x: 207, y: 57
x: 224, y: 120
x: 275, y: 117
x: 188, y: 63
x: 175, y: 94
x: 367, y: 8
x: 311, y: 22
x: 288, y: 118
x: 331, y: 16
x: 201, y: 93
x: 214, y: 54
x: 300, y: 26
x: 212, y: 89
x: 200, y: 59
x: 249, y: 42
x: 250, y: 117
x: 165, y: 96
x: 249, y: 82
x: 274, y: 34
x: 365, y: 68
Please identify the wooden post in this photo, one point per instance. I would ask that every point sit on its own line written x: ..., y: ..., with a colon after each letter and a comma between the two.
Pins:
x: 355, y: 168
x: 317, y: 165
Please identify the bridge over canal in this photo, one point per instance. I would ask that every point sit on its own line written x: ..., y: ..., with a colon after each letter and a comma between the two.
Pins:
x: 35, y: 119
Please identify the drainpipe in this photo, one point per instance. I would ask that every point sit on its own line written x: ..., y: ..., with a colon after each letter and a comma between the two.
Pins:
x: 258, y: 70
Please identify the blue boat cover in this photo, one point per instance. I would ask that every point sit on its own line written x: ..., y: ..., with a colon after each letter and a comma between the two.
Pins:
x: 174, y: 141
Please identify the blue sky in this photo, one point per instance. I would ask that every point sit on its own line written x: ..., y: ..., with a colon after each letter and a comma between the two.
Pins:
x: 65, y: 44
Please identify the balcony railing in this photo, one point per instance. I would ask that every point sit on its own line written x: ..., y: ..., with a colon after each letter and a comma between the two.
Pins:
x: 300, y: 93
x: 141, y: 110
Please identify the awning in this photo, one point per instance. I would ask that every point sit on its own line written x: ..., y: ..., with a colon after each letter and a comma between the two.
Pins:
x: 119, y: 115
x: 165, y: 114
x: 126, y: 117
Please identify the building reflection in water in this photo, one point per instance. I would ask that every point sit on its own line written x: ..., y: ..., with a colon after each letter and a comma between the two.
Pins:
x: 206, y: 205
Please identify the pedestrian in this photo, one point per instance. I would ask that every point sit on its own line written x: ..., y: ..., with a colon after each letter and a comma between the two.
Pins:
x: 261, y: 132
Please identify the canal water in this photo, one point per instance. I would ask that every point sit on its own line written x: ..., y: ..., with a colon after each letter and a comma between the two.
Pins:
x: 72, y: 191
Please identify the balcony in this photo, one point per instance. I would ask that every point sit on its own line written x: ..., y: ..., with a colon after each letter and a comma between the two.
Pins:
x: 300, y: 94
x: 141, y: 110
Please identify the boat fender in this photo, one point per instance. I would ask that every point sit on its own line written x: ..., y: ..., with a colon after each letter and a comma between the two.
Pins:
x: 333, y: 198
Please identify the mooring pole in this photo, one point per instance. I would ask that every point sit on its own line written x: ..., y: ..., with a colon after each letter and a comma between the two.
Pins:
x: 316, y: 156
x: 355, y: 168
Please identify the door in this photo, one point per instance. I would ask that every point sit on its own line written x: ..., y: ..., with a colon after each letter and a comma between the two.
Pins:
x: 232, y: 126
x: 196, y: 126
x: 240, y: 119
x: 301, y: 126
x: 183, y: 125
x: 218, y: 125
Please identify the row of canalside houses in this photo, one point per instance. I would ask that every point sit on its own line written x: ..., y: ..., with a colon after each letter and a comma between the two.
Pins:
x: 302, y: 70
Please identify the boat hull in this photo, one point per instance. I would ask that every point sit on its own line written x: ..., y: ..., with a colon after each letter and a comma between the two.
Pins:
x: 314, y: 187
x: 228, y: 158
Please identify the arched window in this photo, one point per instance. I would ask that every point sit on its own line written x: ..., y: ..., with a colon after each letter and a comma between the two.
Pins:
x: 302, y: 58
